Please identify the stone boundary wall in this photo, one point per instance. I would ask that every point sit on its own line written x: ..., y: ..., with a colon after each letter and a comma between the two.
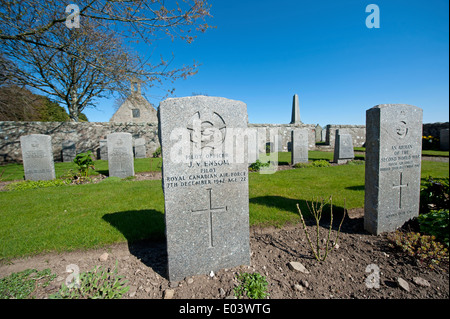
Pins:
x: 285, y: 131
x: 358, y: 133
x: 86, y: 135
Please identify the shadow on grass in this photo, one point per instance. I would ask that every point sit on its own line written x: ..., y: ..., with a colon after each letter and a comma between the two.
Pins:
x: 144, y: 231
x: 356, y: 188
x: 349, y: 225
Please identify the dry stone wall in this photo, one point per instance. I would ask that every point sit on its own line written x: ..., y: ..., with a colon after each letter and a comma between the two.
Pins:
x: 86, y: 135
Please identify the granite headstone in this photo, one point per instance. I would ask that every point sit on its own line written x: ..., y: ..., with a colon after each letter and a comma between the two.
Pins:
x: 140, y: 150
x: 120, y: 155
x: 443, y: 139
x: 37, y: 157
x: 393, y: 163
x: 299, y: 139
x: 343, y: 148
x: 69, y: 151
x: 103, y: 150
x: 205, y: 184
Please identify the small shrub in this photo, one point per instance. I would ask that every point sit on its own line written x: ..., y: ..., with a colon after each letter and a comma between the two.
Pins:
x: 423, y: 248
x: 157, y: 152
x: 316, y: 211
x: 18, y: 186
x: 96, y: 284
x: 320, y: 163
x: 22, y: 284
x: 256, y: 166
x: 302, y: 165
x: 430, y: 143
x: 435, y: 223
x: 84, y: 162
x: 434, y: 194
x: 254, y: 286
x: 317, y: 163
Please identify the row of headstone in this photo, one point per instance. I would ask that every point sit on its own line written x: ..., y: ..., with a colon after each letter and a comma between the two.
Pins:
x: 38, y: 161
x: 205, y: 176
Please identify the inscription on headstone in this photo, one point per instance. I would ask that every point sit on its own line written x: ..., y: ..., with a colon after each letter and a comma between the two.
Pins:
x: 37, y: 157
x: 205, y: 184
x: 393, y: 163
x: 120, y: 155
x: 299, y: 146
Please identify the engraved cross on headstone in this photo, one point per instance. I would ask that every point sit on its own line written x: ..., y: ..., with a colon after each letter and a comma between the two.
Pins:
x: 400, y: 186
x: 210, y: 210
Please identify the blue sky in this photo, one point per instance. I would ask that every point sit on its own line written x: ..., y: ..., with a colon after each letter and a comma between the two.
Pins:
x: 263, y: 52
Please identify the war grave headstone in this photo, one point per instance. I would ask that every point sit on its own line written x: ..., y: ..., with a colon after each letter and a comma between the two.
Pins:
x: 299, y: 139
x: 140, y: 150
x: 318, y: 133
x: 205, y: 184
x: 343, y: 148
x: 103, y: 150
x: 69, y: 151
x: 120, y: 155
x: 37, y: 157
x: 443, y: 139
x: 393, y: 163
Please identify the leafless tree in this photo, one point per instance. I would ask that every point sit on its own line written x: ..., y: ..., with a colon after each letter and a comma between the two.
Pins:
x: 76, y: 65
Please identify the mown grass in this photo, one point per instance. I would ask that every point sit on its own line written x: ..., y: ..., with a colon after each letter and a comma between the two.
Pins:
x: 85, y: 216
x: 11, y: 172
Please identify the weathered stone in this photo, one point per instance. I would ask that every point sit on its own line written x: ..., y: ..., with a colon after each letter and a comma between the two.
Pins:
x: 103, y: 150
x: 403, y: 284
x: 444, y: 139
x: 299, y: 152
x: 393, y: 166
x: 37, y: 156
x: 318, y: 133
x: 104, y: 257
x: 294, y: 265
x: 140, y: 150
x: 169, y: 293
x: 120, y: 155
x: 205, y: 184
x: 421, y: 282
x: 343, y: 148
x: 69, y: 151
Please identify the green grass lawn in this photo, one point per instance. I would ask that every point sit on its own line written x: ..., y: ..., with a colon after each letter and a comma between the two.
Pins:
x: 11, y: 172
x: 72, y: 217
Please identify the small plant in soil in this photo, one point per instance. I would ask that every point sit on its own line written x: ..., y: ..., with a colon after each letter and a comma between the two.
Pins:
x: 316, y: 209
x: 84, y: 162
x: 423, y: 248
x: 253, y: 286
x: 22, y: 284
x: 99, y: 283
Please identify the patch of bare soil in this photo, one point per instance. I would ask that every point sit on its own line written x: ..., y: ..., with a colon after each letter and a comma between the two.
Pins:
x: 352, y: 270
